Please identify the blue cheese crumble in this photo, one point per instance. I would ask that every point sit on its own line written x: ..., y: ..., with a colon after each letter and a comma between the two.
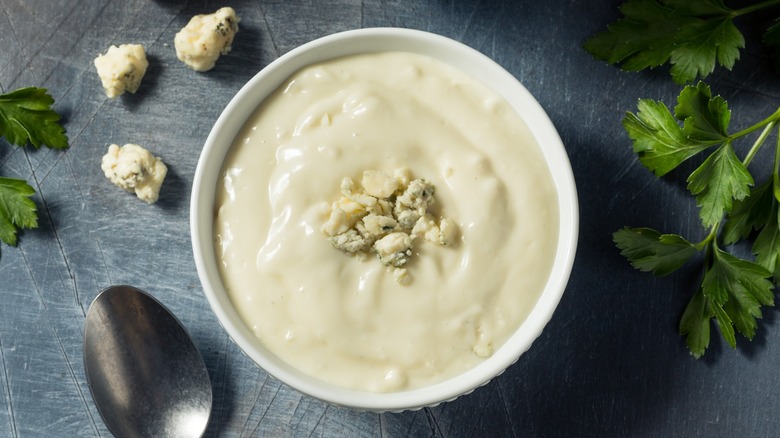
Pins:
x: 121, y: 69
x: 384, y: 215
x: 134, y: 169
x: 207, y: 36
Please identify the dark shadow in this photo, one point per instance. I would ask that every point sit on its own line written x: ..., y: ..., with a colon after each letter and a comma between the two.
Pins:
x: 172, y: 5
x: 174, y: 191
x: 245, y: 59
x: 147, y: 89
x: 6, y: 150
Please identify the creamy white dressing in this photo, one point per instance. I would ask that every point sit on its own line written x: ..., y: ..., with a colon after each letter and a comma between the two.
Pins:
x: 347, y: 321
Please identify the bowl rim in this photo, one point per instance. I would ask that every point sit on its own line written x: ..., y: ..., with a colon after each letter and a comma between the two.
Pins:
x: 353, y: 42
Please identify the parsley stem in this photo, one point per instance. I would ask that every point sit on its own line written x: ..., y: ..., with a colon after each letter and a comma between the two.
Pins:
x: 710, y: 239
x: 776, y: 167
x: 771, y: 119
x: 710, y: 245
x: 757, y: 145
x: 757, y: 6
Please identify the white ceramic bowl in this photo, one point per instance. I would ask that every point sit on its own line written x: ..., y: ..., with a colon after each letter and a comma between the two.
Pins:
x: 377, y: 40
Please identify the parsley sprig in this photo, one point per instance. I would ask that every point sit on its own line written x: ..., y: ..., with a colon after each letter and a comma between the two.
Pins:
x: 691, y: 35
x: 732, y: 207
x: 17, y: 210
x: 26, y: 118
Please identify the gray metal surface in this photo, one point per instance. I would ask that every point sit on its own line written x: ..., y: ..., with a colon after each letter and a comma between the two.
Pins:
x: 145, y: 375
x: 610, y: 363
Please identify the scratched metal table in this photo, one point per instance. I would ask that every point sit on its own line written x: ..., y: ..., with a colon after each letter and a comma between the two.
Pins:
x: 610, y: 363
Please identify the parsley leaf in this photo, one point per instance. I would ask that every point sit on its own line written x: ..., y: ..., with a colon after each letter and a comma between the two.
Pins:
x: 737, y: 288
x: 658, y: 140
x: 26, y: 116
x: 649, y: 250
x: 705, y: 118
x: 699, y: 7
x: 732, y: 290
x: 701, y: 43
x: 767, y: 244
x: 690, y: 35
x: 717, y: 182
x: 695, y: 323
x: 725, y: 325
x: 17, y: 210
x: 643, y: 39
x: 749, y: 214
x: 772, y: 39
x: 662, y: 145
x: 757, y: 212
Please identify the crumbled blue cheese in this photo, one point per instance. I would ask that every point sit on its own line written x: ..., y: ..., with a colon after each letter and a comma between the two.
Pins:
x: 344, y: 214
x: 426, y: 228
x: 350, y: 241
x: 417, y: 196
x: 337, y: 223
x: 403, y: 175
x: 384, y: 215
x: 383, y: 207
x: 379, y: 184
x: 122, y: 68
x: 394, y: 249
x: 378, y: 225
x: 348, y: 189
x: 207, y: 36
x: 412, y: 204
x: 135, y: 169
x: 448, y: 232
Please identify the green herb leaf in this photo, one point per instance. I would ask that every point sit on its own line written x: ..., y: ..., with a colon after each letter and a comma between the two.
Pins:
x: 749, y: 214
x: 701, y: 43
x: 732, y: 290
x: 767, y: 244
x: 661, y: 143
x: 17, y: 210
x: 695, y: 324
x: 26, y: 116
x: 736, y: 289
x: 772, y: 39
x: 699, y: 7
x: 658, y: 139
x: 691, y: 36
x: 649, y: 250
x: 725, y: 325
x: 644, y: 38
x: 717, y: 182
x: 705, y: 118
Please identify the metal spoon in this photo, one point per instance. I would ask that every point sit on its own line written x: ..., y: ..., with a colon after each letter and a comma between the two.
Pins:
x: 145, y: 374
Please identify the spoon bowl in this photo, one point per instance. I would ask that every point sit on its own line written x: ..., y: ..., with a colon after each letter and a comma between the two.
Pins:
x: 144, y: 372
